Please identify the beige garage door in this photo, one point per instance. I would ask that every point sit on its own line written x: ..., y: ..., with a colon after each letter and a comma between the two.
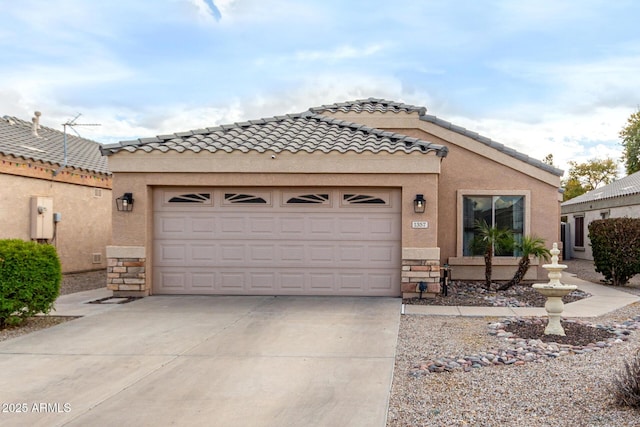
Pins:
x: 318, y: 241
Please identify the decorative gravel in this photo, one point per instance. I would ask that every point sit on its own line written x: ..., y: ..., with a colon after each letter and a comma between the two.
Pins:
x: 521, y: 382
x: 461, y: 293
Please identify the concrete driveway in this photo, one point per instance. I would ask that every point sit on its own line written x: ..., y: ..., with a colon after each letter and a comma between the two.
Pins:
x: 217, y: 361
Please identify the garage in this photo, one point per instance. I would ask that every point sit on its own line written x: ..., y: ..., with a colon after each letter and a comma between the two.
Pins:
x: 277, y: 241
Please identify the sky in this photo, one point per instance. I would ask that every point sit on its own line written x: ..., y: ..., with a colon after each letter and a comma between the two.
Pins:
x: 543, y: 77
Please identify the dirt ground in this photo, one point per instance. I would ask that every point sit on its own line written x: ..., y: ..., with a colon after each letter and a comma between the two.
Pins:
x: 78, y: 282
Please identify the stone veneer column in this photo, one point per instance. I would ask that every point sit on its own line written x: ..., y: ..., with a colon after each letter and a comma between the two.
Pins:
x: 126, y: 270
x: 420, y: 265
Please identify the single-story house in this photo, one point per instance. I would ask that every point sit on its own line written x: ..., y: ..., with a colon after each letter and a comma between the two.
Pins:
x: 619, y: 199
x: 55, y: 194
x: 370, y: 197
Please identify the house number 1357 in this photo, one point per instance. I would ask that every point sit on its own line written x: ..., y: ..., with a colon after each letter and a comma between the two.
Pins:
x: 419, y: 224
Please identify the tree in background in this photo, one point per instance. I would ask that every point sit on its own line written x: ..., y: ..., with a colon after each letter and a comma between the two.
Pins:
x: 588, y: 176
x: 630, y: 135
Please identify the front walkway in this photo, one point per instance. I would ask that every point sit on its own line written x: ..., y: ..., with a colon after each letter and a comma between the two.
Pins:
x: 604, y: 299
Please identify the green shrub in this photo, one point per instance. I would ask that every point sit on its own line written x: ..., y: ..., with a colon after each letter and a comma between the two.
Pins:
x: 616, y: 248
x: 30, y: 276
x: 626, y: 384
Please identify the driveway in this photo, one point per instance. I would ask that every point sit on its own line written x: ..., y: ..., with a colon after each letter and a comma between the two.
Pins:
x: 218, y: 361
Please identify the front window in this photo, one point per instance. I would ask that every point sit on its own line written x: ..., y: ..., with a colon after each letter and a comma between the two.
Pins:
x: 504, y: 212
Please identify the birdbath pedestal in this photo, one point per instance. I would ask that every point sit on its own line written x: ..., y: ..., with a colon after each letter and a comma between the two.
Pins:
x: 554, y: 291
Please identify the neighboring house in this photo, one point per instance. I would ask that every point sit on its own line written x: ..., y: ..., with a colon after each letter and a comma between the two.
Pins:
x: 619, y: 199
x: 44, y: 199
x: 370, y: 197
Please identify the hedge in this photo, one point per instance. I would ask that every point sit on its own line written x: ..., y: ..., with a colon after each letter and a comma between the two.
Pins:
x: 615, y: 243
x: 30, y: 276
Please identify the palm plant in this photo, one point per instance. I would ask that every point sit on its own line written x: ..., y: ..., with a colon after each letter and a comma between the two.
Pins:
x: 490, y: 240
x: 531, y: 246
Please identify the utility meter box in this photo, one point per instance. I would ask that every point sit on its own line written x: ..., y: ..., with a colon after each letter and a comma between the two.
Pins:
x: 41, y: 217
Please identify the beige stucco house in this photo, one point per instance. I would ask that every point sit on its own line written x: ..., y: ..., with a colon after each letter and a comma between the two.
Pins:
x: 619, y: 199
x: 47, y: 199
x: 370, y: 197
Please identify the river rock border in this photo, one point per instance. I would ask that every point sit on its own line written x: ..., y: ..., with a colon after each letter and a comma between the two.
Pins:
x: 520, y: 351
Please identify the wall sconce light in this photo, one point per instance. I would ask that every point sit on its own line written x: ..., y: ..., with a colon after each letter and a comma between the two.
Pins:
x: 419, y: 203
x: 125, y: 203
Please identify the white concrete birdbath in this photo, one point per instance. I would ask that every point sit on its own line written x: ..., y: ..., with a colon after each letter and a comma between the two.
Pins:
x: 554, y: 291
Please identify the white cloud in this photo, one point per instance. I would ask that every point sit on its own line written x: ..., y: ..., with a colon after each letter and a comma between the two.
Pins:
x: 567, y: 136
x: 340, y: 53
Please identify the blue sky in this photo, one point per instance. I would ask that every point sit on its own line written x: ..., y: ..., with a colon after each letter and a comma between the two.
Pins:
x: 541, y: 76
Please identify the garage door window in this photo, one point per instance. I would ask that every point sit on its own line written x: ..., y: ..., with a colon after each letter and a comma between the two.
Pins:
x: 305, y: 199
x: 202, y: 198
x: 364, y: 199
x: 249, y: 199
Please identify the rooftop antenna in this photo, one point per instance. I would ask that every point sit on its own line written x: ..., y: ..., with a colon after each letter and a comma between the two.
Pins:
x: 70, y: 123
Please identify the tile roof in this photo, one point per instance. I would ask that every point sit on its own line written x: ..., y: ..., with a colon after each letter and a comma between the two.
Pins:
x: 17, y: 139
x: 372, y: 105
x: 626, y: 186
x: 294, y: 133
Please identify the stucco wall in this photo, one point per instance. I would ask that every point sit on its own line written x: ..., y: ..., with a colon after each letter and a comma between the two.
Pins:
x: 85, y: 228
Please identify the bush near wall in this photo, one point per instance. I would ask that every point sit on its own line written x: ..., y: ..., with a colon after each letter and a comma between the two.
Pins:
x: 615, y: 243
x: 30, y: 276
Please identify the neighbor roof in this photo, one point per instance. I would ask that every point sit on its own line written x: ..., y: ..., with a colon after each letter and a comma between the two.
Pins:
x: 17, y: 140
x: 306, y: 131
x: 626, y: 186
x: 373, y: 105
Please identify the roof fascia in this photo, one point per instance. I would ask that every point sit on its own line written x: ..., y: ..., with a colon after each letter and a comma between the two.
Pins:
x: 268, y: 162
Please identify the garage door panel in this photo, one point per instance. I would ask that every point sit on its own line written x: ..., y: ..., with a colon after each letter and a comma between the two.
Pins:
x: 292, y: 282
x: 382, y: 253
x: 232, y: 253
x: 291, y: 226
x: 321, y: 281
x: 321, y: 227
x: 352, y: 226
x: 380, y: 228
x: 352, y: 253
x: 232, y: 281
x: 381, y: 282
x: 321, y: 254
x: 232, y: 226
x: 173, y: 253
x: 172, y: 281
x: 203, y: 225
x: 332, y: 248
x: 263, y: 226
x: 172, y: 225
x: 203, y: 253
x: 350, y: 282
x: 203, y: 281
x: 292, y: 253
x: 261, y: 253
x: 262, y: 281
